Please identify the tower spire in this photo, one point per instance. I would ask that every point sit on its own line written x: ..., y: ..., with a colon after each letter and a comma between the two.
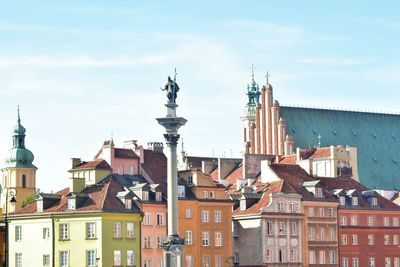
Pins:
x: 252, y: 72
x: 267, y: 77
x: 19, y: 117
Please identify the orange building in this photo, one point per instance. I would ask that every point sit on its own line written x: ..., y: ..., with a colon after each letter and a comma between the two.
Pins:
x: 205, y: 221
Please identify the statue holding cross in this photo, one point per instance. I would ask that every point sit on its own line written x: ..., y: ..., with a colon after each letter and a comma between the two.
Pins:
x: 172, y: 89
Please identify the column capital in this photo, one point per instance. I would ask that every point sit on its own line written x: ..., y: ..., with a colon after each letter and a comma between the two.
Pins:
x: 172, y: 139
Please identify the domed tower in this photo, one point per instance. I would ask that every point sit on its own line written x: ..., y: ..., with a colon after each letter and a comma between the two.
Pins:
x: 19, y: 172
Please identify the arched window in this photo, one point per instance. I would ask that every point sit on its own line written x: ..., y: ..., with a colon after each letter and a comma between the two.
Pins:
x: 23, y: 180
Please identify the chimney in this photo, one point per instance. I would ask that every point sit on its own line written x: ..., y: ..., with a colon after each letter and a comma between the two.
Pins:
x: 130, y: 144
x: 157, y: 147
x: 75, y: 162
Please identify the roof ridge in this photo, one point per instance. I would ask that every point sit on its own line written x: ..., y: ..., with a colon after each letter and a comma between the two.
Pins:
x: 106, y: 193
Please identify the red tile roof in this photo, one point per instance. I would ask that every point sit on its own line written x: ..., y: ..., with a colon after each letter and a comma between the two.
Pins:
x: 155, y: 165
x: 214, y: 175
x: 291, y: 159
x: 95, y: 164
x: 233, y: 177
x: 323, y: 152
x: 125, y: 153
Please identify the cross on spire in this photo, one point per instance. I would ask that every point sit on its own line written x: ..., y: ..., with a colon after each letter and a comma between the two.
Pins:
x: 267, y: 77
x: 19, y: 118
x: 252, y: 71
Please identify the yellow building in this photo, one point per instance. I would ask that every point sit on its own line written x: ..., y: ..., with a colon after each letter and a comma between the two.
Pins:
x: 205, y: 220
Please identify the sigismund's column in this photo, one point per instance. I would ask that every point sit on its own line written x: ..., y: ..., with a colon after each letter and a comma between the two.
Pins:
x: 172, y: 244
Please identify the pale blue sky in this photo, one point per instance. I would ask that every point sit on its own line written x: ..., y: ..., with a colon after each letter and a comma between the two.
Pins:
x: 82, y: 69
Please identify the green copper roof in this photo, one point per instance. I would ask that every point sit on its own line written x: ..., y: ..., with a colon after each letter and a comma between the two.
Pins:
x: 376, y: 136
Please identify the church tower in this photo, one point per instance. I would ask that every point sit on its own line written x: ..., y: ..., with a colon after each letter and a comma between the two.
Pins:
x: 251, y: 133
x: 19, y: 172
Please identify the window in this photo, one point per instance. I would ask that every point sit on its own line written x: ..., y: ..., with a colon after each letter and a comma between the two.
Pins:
x: 293, y: 228
x: 147, y: 242
x: 71, y: 203
x: 18, y: 233
x: 130, y: 258
x: 130, y: 230
x: 318, y: 192
x: 160, y: 219
x: 160, y: 241
x: 355, y: 262
x: 205, y: 194
x: 64, y: 258
x: 121, y: 169
x: 205, y: 216
x: 39, y: 205
x: 331, y: 212
x: 206, y: 261
x: 188, y: 213
x: 395, y: 240
x: 236, y: 257
x: 354, y: 201
x: 181, y: 191
x: 218, y: 239
x: 270, y: 228
x: 388, y: 262
x: 370, y: 240
x: 46, y: 260
x: 205, y: 239
x: 332, y: 234
x: 117, y: 258
x: 269, y: 255
x: 145, y: 195
x: 312, y: 234
x: 396, y: 262
x: 117, y: 230
x: 64, y: 235
x: 23, y: 181
x: 293, y: 255
x: 322, y: 257
x: 310, y: 211
x: 128, y: 203
x: 354, y: 240
x: 189, y: 261
x: 90, y: 258
x: 235, y: 229
x: 281, y: 207
x: 147, y: 263
x: 343, y: 220
x: 18, y: 259
x: 395, y: 221
x: 217, y: 216
x: 371, y: 262
x: 147, y: 219
x: 188, y: 237
x: 322, y: 236
x: 293, y: 207
x: 212, y: 194
x: 345, y: 262
x: 353, y: 220
x: 158, y: 196
x: 370, y: 221
x: 131, y: 170
x: 386, y: 221
x: 190, y: 180
x: 343, y: 239
x: 282, y: 255
x: 342, y: 201
x: 386, y: 240
x: 281, y: 228
x: 218, y: 260
x: 332, y: 257
x: 312, y: 257
x: 321, y: 212
x: 90, y: 230
x: 374, y: 202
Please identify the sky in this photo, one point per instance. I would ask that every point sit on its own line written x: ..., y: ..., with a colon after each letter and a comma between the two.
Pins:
x: 83, y: 71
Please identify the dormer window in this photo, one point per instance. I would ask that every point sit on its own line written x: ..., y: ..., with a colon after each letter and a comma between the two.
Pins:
x: 293, y: 207
x: 128, y: 203
x: 318, y: 192
x: 145, y: 195
x: 374, y: 202
x: 354, y: 201
x: 39, y: 205
x: 190, y: 180
x: 342, y: 200
x: 158, y: 196
x: 181, y: 191
x: 281, y: 207
x: 72, y: 203
x: 243, y: 204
